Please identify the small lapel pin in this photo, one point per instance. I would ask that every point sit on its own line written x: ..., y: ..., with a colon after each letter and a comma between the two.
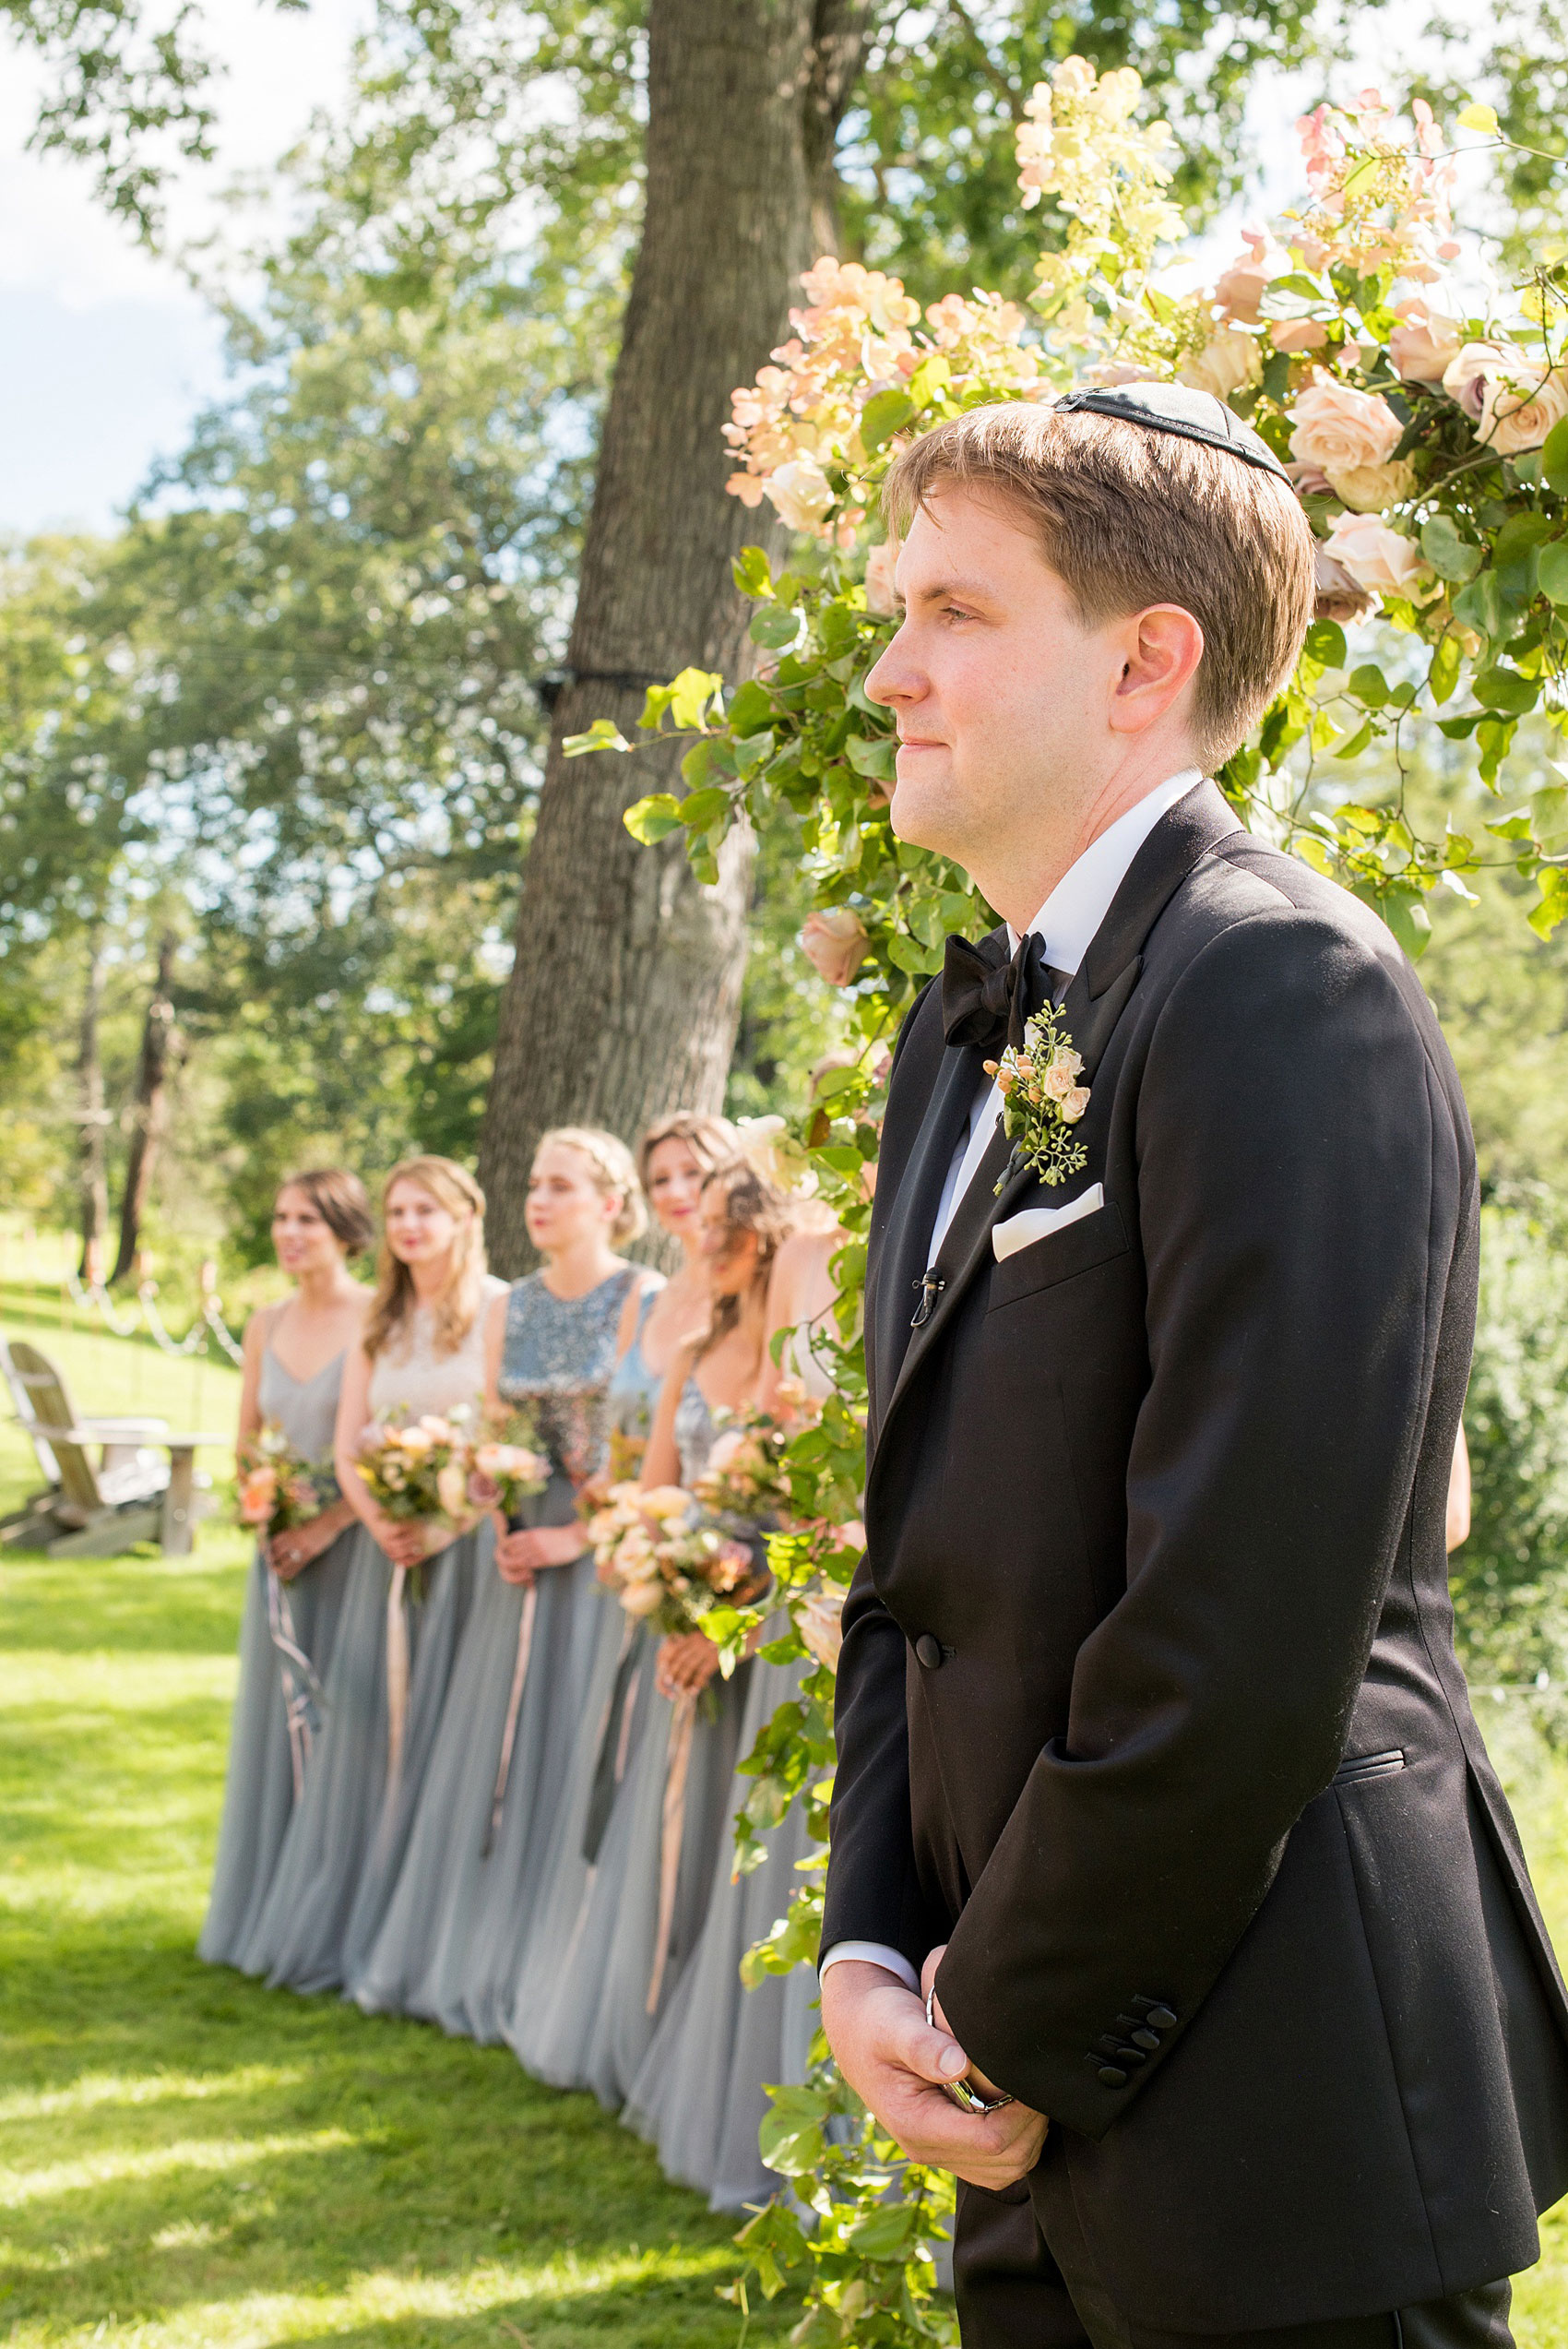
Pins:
x: 931, y: 1285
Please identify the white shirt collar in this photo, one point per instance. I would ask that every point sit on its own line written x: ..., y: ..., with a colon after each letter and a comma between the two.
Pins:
x: 1081, y: 899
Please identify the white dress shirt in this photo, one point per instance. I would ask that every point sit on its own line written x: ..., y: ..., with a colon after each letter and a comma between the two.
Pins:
x: 1067, y: 922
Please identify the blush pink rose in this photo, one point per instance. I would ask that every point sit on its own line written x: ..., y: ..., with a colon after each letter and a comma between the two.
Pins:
x: 803, y: 494
x: 879, y: 579
x: 1336, y: 426
x: 1423, y: 343
x: 834, y: 942
x: 1227, y: 361
x: 1376, y: 557
x: 1298, y: 334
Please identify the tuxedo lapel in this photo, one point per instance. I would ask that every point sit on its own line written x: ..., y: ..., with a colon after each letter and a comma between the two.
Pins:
x: 903, y: 1256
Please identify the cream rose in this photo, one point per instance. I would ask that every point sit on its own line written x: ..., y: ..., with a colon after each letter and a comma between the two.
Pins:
x: 1376, y: 557
x: 1341, y: 429
x: 1227, y: 361
x: 879, y: 577
x: 802, y: 491
x: 1522, y: 419
x: 834, y: 942
x: 1423, y: 344
x: 1373, y: 489
x: 642, y: 1598
x: 452, y: 1487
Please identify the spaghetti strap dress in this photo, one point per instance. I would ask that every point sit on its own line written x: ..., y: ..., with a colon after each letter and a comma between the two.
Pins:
x: 346, y: 1837
x: 287, y: 1636
x: 448, y: 1945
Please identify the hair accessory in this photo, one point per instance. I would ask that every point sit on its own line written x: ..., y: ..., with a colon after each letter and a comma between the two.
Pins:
x: 1177, y: 408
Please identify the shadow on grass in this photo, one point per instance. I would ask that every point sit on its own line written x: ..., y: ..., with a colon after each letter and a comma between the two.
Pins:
x: 178, y: 2135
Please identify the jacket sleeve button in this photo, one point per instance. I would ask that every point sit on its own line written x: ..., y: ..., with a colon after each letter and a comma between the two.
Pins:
x: 928, y: 1651
x: 1148, y: 2040
x: 1160, y: 2019
x: 1110, y: 2076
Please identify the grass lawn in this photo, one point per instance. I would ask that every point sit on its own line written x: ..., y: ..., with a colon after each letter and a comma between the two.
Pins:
x: 188, y: 2159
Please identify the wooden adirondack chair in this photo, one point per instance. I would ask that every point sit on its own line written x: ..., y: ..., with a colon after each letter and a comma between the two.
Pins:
x: 92, y: 1509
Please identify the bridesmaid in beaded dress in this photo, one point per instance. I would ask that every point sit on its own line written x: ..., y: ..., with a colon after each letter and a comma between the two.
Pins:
x: 657, y: 1870
x: 559, y: 1981
x: 448, y: 1948
x: 293, y: 1367
x: 422, y: 1351
x: 699, y: 2096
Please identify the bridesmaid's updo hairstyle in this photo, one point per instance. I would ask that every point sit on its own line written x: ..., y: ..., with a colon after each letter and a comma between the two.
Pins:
x: 341, y: 1200
x: 457, y: 1310
x: 613, y: 1174
x: 712, y: 1141
x: 751, y: 1204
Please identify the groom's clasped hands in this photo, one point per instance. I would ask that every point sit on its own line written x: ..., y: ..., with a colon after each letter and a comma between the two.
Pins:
x: 898, y: 2065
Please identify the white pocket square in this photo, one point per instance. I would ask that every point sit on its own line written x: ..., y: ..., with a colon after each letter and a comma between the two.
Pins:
x: 1038, y: 1223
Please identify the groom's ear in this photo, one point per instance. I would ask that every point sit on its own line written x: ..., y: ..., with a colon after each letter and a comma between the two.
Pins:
x: 1159, y: 650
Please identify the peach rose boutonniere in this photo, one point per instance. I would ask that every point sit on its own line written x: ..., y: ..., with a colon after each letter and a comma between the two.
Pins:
x: 1042, y: 1100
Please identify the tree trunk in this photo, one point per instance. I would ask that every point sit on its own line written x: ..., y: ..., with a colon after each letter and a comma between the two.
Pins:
x: 624, y: 994
x: 160, y: 1041
x: 93, y: 1118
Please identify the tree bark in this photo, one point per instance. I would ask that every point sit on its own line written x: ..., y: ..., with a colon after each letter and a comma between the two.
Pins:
x: 93, y: 1118
x: 624, y: 994
x: 160, y: 1041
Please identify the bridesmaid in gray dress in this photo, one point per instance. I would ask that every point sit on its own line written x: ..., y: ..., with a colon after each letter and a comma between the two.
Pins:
x: 532, y: 1662
x: 293, y: 1365
x: 422, y: 1351
x: 555, y: 1994
x: 643, y: 1915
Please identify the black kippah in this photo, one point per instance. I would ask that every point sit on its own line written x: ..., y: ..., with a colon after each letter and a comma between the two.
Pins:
x: 1177, y: 408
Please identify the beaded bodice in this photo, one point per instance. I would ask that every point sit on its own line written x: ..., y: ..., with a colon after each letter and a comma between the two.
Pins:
x: 557, y: 1360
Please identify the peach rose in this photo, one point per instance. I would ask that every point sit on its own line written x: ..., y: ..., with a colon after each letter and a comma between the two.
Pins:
x: 1373, y: 489
x: 821, y: 1625
x: 879, y: 579
x: 1340, y: 428
x: 1506, y: 398
x: 258, y: 1494
x: 642, y: 1598
x: 802, y: 491
x: 1242, y: 286
x: 834, y: 943
x: 1424, y: 342
x: 1298, y: 334
x: 452, y: 1487
x: 1522, y: 419
x: 1227, y: 361
x: 1073, y: 1104
x: 1376, y: 557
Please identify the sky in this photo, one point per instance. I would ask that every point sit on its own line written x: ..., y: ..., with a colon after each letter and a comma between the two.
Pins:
x: 106, y: 353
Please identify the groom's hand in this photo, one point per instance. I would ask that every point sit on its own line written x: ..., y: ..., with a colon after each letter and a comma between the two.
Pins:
x: 896, y: 2063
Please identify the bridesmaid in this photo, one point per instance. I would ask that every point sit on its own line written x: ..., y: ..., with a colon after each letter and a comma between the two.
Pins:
x: 422, y: 1350
x: 293, y: 1365
x: 556, y: 1990
x: 466, y: 1895
x: 699, y: 2096
x: 657, y: 1877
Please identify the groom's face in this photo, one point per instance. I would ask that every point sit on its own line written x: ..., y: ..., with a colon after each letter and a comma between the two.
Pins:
x: 998, y: 690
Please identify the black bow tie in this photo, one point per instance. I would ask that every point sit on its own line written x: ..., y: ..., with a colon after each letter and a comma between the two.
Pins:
x: 987, y: 994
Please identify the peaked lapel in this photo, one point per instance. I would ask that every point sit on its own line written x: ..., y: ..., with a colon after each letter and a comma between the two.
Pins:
x: 1095, y: 1001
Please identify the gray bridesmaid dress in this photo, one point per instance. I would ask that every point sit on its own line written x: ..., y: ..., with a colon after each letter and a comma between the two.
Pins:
x: 448, y: 1946
x: 582, y: 2016
x: 346, y: 1837
x: 258, y: 1797
x: 699, y: 2094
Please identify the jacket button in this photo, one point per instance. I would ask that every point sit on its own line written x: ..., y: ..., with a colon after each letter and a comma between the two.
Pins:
x: 928, y: 1651
x: 1110, y: 2076
x: 1146, y: 2039
x: 1160, y: 2019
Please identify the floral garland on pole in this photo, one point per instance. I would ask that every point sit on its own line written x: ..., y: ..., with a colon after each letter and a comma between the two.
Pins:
x: 1429, y: 446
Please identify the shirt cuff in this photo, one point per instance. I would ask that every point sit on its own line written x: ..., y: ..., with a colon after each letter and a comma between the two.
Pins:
x: 872, y: 1953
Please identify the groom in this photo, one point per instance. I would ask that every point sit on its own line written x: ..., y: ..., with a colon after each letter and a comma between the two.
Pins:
x: 1155, y: 1765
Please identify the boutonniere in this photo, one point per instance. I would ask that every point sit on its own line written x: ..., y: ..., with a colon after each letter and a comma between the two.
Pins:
x: 1042, y: 1100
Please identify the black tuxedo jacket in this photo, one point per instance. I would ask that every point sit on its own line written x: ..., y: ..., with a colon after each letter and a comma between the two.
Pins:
x: 1148, y: 1704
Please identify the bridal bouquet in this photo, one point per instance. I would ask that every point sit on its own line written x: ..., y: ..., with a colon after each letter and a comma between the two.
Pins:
x: 280, y: 1489
x: 418, y: 1470
x: 666, y: 1558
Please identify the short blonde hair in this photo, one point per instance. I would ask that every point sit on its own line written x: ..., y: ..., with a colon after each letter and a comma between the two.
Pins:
x: 457, y: 1307
x: 613, y: 1173
x: 1129, y: 517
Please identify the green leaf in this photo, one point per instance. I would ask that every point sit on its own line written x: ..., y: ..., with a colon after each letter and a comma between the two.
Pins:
x: 933, y: 375
x: 1520, y: 826
x: 1553, y: 906
x: 693, y: 694
x: 1477, y: 116
x: 1444, y: 675
x: 753, y: 573
x: 751, y: 709
x: 1554, y: 456
x: 651, y: 819
x: 774, y: 627
x: 1480, y: 605
x: 1357, y: 742
x: 1501, y: 687
x: 1451, y: 557
x: 1409, y: 921
x: 874, y: 755
x: 1548, y: 807
x: 885, y: 2232
x: 603, y: 734
x: 1551, y: 573
x: 1326, y: 642
x: 703, y: 808
x: 1368, y: 686
x: 884, y: 413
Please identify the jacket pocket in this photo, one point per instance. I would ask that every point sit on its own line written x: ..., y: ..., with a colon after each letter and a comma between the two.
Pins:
x: 1093, y: 1239
x: 1357, y: 1766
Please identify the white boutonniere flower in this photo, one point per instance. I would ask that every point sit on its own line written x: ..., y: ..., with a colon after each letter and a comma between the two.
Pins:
x: 1042, y: 1100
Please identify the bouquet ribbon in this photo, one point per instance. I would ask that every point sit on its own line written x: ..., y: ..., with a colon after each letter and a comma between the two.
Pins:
x: 514, y: 1706
x: 304, y: 1702
x: 397, y: 1683
x: 610, y: 1766
x: 683, y: 1723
